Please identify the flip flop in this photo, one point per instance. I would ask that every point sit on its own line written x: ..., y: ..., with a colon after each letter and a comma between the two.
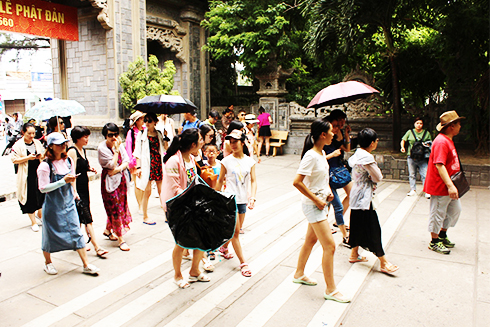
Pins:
x: 332, y: 296
x: 110, y: 236
x: 201, y: 278
x: 151, y: 224
x: 302, y: 280
x: 124, y: 248
x: 101, y: 252
x: 246, y: 272
x: 358, y: 259
x: 224, y: 252
x: 181, y: 283
x: 389, y: 269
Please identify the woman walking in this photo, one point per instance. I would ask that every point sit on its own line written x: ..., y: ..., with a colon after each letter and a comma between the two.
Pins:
x: 114, y: 184
x: 265, y: 121
x: 339, y: 175
x: 238, y: 169
x: 149, y: 151
x: 180, y: 171
x: 137, y: 125
x: 312, y: 181
x: 79, y: 136
x: 418, y: 160
x: 365, y: 230
x: 27, y: 153
x: 61, y: 228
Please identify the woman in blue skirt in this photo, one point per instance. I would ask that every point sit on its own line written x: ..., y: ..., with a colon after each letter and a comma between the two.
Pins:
x: 61, y: 225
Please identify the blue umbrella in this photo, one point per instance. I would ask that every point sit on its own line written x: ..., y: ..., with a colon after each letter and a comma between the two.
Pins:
x: 61, y: 108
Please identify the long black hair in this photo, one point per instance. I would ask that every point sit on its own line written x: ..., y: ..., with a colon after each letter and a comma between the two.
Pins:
x: 234, y: 124
x: 182, y: 142
x: 204, y: 129
x: 318, y: 127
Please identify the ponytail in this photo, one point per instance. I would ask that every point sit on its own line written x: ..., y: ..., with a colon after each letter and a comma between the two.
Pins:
x: 307, y: 145
x: 182, y: 142
x: 318, y: 127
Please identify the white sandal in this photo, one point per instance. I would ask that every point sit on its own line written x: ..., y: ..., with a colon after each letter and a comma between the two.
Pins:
x: 336, y: 296
x: 207, y: 266
x: 181, y: 283
x: 201, y: 278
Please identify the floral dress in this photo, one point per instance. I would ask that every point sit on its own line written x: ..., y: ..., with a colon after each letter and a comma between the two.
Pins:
x: 116, y: 205
x: 155, y: 159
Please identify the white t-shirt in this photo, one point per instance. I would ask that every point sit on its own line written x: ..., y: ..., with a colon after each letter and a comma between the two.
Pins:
x: 315, y: 167
x: 191, y: 171
x: 238, y: 176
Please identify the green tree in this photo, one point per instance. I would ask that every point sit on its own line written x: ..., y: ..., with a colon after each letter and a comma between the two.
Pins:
x: 343, y: 26
x: 254, y: 32
x: 139, y: 81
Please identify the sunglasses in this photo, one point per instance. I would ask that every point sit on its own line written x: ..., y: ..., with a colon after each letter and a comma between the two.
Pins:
x: 112, y: 134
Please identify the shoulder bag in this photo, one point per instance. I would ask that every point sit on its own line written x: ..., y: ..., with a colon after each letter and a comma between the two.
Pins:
x: 459, y: 180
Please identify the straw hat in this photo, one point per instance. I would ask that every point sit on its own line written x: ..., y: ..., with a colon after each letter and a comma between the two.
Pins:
x: 447, y: 118
x: 135, y: 116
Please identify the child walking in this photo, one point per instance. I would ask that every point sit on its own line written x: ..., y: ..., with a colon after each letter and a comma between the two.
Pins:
x: 238, y: 169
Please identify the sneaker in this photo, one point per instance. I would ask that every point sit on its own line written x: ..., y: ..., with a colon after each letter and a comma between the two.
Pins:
x: 50, y: 269
x: 35, y: 228
x: 427, y: 196
x: 412, y: 193
x: 91, y: 270
x: 447, y: 243
x: 439, y: 247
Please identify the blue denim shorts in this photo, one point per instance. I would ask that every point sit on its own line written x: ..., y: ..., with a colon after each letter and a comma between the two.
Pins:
x: 313, y: 214
x: 242, y: 208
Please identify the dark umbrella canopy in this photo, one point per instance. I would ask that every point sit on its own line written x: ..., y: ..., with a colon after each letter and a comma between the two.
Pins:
x: 341, y: 93
x: 201, y: 218
x: 165, y: 104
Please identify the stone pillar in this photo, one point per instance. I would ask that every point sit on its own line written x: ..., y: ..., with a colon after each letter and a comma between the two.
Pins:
x: 198, y: 65
x: 273, y: 89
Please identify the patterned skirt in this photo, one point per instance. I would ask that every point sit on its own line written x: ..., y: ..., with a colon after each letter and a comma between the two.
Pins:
x: 116, y: 206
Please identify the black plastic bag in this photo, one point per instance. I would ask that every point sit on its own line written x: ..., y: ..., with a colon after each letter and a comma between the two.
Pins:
x: 202, y: 218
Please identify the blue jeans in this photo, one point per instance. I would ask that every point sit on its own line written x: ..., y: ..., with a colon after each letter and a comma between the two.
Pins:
x: 338, y: 208
x: 412, y: 171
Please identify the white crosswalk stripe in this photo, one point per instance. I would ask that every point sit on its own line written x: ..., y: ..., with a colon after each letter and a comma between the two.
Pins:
x: 289, y: 216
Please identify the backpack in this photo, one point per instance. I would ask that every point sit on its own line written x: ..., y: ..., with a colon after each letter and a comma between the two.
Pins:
x: 419, y: 151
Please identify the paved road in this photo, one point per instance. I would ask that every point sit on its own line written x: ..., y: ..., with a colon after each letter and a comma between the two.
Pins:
x: 135, y: 288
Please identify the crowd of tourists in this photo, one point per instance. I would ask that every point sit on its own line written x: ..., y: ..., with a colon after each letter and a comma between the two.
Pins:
x: 53, y: 183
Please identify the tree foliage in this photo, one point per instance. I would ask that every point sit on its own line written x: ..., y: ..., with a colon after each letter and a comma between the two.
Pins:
x: 431, y: 56
x: 10, y: 43
x: 140, y: 81
x: 254, y: 32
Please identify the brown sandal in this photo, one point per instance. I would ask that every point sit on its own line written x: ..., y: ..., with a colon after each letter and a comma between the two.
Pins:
x: 101, y: 252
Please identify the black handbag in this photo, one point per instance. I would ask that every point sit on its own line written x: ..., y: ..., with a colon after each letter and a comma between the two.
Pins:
x: 83, y: 212
x: 460, y: 182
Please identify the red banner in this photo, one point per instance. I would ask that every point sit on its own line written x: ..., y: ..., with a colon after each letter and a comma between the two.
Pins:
x: 39, y: 18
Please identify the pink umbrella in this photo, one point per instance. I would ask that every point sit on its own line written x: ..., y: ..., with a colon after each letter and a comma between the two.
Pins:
x: 341, y: 93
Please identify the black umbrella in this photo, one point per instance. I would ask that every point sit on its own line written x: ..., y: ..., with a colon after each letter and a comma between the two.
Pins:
x: 201, y: 218
x: 165, y: 104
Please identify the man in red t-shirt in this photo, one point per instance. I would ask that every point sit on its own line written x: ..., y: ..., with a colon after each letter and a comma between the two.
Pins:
x: 445, y: 206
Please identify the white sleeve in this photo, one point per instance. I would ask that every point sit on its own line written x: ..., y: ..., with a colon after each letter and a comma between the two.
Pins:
x: 374, y: 172
x: 306, y: 165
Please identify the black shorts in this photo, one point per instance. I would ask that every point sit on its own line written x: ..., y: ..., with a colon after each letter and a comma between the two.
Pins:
x: 265, y: 130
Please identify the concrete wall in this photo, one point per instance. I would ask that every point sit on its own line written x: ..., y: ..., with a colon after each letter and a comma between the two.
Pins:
x: 95, y: 62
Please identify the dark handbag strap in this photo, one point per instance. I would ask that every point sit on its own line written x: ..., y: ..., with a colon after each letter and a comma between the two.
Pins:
x: 416, y: 139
